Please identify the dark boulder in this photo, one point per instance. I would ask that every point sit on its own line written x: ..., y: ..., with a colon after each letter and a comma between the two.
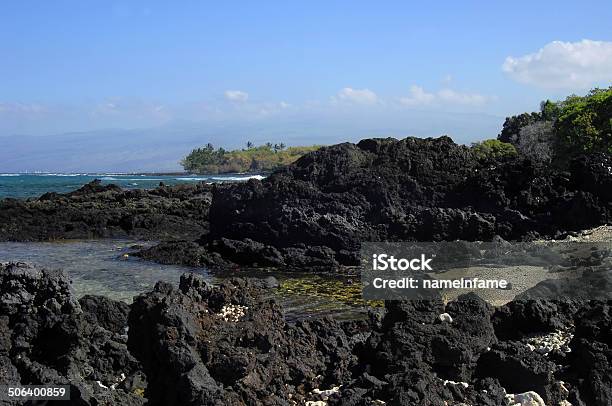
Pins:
x: 109, y: 314
x: 47, y: 338
x: 201, y: 345
x: 520, y: 318
x: 591, y: 356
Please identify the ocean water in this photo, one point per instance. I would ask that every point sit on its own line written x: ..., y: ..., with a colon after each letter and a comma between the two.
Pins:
x: 21, y: 185
x: 105, y: 267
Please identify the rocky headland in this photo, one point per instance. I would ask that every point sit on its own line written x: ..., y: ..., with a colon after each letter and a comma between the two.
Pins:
x: 315, y: 213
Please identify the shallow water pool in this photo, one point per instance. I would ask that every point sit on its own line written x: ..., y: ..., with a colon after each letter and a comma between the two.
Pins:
x: 105, y: 267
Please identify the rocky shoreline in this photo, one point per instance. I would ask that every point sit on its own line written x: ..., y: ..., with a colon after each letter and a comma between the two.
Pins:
x: 201, y: 345
x: 317, y: 212
x: 314, y: 214
x: 108, y: 211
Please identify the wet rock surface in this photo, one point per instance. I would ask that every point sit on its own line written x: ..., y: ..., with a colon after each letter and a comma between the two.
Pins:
x: 96, y: 210
x: 196, y: 344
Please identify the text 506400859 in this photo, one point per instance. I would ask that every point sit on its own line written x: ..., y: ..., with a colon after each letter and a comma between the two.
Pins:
x: 34, y: 392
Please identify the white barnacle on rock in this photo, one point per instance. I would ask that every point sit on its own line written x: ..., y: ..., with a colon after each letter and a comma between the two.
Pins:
x: 100, y: 384
x: 464, y: 384
x: 233, y: 313
x: 445, y: 318
x: 545, y: 343
x: 325, y: 394
x: 321, y: 396
x: 530, y: 398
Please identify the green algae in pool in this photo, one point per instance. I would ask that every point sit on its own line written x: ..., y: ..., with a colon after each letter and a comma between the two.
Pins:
x: 105, y: 267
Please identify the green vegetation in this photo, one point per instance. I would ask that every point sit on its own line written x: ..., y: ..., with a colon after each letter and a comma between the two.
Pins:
x: 263, y: 158
x: 578, y: 124
x: 493, y: 149
x: 584, y: 124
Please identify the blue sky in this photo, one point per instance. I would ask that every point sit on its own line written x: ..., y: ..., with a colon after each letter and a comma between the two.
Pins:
x: 345, y: 69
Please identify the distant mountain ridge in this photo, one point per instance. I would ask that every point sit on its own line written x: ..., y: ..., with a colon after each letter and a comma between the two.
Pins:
x: 160, y: 149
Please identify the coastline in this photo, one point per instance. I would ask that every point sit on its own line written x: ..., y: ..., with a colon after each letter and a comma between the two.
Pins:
x: 311, y: 217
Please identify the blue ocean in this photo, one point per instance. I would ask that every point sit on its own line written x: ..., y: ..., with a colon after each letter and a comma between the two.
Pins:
x: 24, y: 185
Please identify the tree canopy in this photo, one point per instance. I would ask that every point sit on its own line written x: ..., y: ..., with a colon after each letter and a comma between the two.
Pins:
x: 562, y: 129
x: 263, y: 158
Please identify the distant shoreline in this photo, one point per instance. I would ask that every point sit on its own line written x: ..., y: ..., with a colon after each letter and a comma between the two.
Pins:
x: 32, y: 185
x: 263, y: 173
x: 132, y: 173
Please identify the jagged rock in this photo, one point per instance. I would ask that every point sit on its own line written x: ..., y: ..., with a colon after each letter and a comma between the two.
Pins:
x: 315, y: 213
x: 591, y: 356
x: 47, y: 337
x: 178, y: 252
x: 96, y: 210
x: 520, y: 318
x: 518, y: 369
x: 195, y: 354
x: 109, y: 314
x: 200, y: 344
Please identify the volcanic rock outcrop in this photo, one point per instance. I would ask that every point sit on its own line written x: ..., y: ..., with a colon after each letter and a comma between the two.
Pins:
x: 48, y: 337
x: 96, y: 211
x: 196, y: 344
x: 315, y: 213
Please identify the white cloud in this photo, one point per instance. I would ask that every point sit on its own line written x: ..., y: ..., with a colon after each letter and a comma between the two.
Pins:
x: 236, y: 96
x: 563, y: 65
x: 419, y: 97
x: 358, y: 96
x: 451, y: 96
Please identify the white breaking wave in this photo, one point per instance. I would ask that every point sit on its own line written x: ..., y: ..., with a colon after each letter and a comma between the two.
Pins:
x: 61, y: 174
x: 238, y: 178
x: 141, y: 179
x: 191, y: 179
x: 10, y: 174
